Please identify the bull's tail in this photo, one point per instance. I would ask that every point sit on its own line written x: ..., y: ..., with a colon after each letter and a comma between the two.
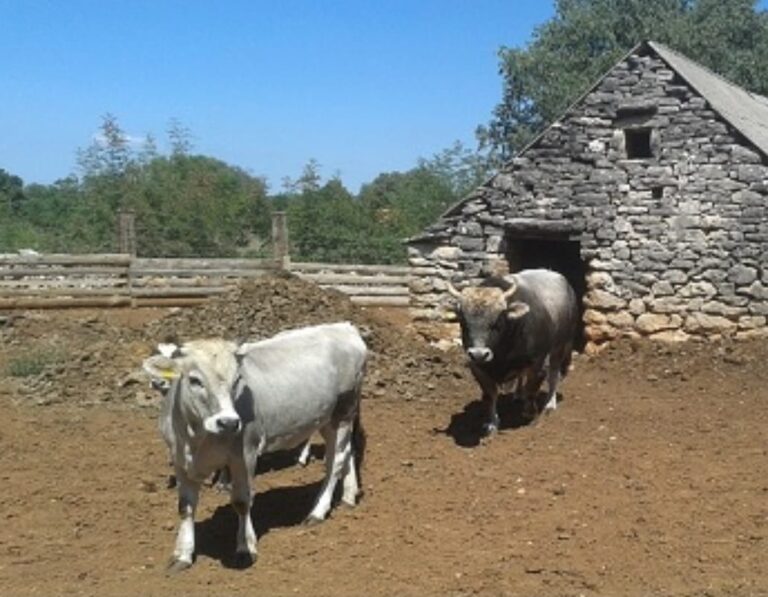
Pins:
x: 359, y: 441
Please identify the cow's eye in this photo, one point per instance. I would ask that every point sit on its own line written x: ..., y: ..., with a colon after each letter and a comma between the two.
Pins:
x: 195, y: 380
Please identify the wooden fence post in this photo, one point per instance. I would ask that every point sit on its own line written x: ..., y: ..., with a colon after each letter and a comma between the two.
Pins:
x: 280, y: 240
x: 126, y: 232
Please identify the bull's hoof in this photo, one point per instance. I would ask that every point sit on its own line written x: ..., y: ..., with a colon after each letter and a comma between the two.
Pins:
x: 175, y: 565
x: 312, y: 520
x: 244, y: 559
x: 490, y: 429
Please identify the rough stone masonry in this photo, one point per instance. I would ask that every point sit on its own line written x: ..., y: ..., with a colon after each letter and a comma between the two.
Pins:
x: 664, y: 197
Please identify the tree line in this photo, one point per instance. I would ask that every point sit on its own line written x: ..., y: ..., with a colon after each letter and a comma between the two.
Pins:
x: 194, y: 205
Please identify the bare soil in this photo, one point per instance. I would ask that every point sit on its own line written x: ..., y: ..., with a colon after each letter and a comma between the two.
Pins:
x: 651, y: 478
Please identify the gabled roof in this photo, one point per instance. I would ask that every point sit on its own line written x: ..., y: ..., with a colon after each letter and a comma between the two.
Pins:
x: 747, y: 112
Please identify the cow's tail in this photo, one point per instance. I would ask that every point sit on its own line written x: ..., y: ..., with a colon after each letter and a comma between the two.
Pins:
x: 359, y: 441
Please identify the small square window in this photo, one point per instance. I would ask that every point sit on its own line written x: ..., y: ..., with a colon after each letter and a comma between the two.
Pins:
x: 638, y: 143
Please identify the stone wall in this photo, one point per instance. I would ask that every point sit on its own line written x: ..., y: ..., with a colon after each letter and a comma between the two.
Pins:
x: 675, y: 244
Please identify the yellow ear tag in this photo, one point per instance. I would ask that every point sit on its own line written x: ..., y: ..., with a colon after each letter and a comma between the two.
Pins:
x: 168, y: 374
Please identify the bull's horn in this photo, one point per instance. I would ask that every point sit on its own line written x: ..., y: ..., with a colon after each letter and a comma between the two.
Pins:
x: 452, y: 290
x: 512, y: 287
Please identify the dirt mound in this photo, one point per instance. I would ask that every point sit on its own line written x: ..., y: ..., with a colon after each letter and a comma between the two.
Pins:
x: 94, y: 357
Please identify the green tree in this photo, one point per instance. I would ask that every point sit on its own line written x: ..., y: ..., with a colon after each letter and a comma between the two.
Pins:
x: 586, y: 37
x: 12, y: 195
x: 180, y: 138
x: 458, y: 167
x: 199, y: 206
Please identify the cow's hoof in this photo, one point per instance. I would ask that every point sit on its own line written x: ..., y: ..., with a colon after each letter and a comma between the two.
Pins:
x: 312, y: 520
x: 350, y: 502
x: 175, y: 565
x: 244, y: 559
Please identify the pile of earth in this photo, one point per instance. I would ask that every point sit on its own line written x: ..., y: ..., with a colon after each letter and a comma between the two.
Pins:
x: 96, y: 358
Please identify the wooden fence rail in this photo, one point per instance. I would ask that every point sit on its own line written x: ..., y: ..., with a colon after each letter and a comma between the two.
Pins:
x: 111, y: 280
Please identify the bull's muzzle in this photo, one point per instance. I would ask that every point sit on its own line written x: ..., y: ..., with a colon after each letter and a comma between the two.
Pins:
x: 480, y: 355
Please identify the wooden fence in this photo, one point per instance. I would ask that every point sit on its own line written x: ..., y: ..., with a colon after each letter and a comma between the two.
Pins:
x: 36, y: 281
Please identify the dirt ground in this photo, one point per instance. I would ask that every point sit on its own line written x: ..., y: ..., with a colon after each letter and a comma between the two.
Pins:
x: 651, y: 478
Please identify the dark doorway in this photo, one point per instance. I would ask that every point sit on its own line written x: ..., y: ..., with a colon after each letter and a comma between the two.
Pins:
x: 560, y: 255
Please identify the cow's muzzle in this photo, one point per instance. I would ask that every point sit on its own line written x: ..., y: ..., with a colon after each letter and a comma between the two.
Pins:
x: 223, y: 423
x: 480, y: 355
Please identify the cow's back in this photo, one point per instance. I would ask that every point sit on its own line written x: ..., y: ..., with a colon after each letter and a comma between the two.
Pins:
x: 294, y: 382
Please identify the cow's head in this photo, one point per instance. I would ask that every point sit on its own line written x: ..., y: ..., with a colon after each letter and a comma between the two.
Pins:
x: 485, y: 313
x: 200, y: 375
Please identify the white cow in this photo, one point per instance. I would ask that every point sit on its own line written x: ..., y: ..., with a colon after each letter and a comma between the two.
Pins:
x: 229, y: 404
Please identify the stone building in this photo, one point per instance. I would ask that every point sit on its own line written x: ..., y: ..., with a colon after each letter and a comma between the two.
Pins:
x: 650, y: 194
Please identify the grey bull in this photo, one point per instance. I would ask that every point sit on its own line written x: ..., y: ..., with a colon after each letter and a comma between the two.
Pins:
x: 228, y: 404
x: 518, y: 329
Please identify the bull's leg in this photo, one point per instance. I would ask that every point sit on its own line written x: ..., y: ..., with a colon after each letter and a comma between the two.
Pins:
x: 555, y: 373
x: 338, y: 443
x: 189, y: 492
x: 491, y: 399
x: 242, y: 498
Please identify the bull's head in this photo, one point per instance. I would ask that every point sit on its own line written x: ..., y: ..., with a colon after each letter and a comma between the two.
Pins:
x: 199, y: 375
x: 485, y: 313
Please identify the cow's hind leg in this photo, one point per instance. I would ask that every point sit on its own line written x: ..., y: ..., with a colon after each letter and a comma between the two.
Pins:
x: 306, y: 454
x: 338, y: 442
x: 351, y: 475
x: 242, y: 497
x: 184, y: 552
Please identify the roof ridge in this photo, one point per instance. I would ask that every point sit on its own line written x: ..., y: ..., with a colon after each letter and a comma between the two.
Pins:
x: 657, y: 45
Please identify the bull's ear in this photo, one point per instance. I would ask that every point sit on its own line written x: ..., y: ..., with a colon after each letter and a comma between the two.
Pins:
x: 517, y: 310
x: 162, y: 368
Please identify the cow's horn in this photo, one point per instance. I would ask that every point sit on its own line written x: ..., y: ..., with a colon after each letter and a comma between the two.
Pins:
x: 452, y: 290
x: 512, y: 287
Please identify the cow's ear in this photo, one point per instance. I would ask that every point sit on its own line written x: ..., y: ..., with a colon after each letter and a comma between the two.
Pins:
x: 162, y: 368
x: 517, y: 310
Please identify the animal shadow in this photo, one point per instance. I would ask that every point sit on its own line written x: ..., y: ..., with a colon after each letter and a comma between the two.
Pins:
x: 466, y: 427
x: 275, y: 508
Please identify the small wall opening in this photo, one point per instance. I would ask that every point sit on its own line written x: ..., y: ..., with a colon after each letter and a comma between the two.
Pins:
x: 638, y: 143
x: 560, y: 255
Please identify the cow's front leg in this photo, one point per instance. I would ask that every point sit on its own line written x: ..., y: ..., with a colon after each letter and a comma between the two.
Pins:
x: 338, y: 450
x: 242, y: 497
x: 189, y: 492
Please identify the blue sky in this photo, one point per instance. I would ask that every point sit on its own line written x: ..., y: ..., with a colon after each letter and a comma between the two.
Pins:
x: 361, y: 86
